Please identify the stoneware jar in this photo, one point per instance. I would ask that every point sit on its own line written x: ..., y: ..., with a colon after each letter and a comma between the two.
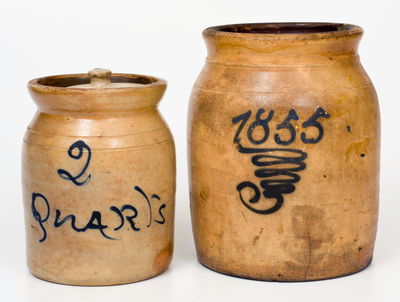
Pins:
x: 98, y: 173
x: 284, y: 137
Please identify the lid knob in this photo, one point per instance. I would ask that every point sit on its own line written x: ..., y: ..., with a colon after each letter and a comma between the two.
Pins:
x: 100, y: 77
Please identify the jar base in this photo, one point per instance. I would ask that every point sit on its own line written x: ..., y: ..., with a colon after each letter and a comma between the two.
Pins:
x: 279, y: 277
x: 91, y: 283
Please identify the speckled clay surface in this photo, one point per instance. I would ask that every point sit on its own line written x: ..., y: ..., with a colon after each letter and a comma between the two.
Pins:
x: 98, y: 167
x: 284, y: 138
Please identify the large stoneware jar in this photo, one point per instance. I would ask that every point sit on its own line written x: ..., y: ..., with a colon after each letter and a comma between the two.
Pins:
x: 284, y: 137
x: 98, y: 173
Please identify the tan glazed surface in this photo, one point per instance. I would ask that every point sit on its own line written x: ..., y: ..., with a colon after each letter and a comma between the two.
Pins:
x: 98, y: 169
x: 284, y: 138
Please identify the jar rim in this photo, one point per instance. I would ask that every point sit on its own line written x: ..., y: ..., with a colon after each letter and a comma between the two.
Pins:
x: 285, y: 30
x: 66, y: 82
x: 57, y: 94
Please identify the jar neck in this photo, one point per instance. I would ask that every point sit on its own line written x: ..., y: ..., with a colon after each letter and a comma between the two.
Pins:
x: 282, y: 44
x: 55, y: 95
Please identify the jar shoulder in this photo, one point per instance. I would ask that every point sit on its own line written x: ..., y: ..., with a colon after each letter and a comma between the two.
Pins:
x: 138, y: 129
x: 334, y: 76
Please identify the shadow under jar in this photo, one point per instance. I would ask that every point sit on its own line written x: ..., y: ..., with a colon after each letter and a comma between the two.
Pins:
x: 98, y: 174
x: 284, y: 142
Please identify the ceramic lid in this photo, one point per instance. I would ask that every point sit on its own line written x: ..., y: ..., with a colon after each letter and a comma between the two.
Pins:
x: 101, y: 78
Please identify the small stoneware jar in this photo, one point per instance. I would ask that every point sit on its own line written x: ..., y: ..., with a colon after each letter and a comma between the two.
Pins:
x: 284, y: 138
x: 98, y: 174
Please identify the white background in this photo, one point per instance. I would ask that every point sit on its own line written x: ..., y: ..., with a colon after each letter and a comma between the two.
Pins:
x: 163, y: 38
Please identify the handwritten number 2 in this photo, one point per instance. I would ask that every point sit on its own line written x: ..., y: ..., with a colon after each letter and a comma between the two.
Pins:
x: 80, y: 145
x: 312, y: 122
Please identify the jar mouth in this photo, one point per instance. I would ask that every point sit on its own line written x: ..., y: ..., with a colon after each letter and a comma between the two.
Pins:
x: 70, y: 80
x: 307, y: 30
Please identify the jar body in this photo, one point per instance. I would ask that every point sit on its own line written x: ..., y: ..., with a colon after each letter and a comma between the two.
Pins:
x: 98, y: 197
x: 284, y: 165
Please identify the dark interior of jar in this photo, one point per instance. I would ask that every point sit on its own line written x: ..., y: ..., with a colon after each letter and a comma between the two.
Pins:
x: 282, y: 28
x: 66, y: 81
